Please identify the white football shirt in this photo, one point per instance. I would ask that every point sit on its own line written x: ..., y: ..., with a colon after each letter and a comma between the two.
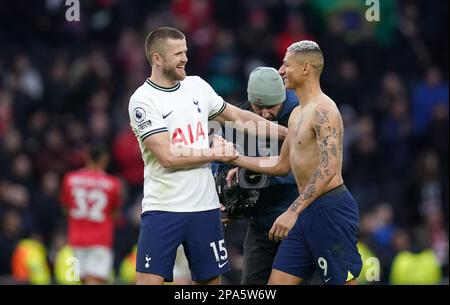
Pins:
x: 183, y: 111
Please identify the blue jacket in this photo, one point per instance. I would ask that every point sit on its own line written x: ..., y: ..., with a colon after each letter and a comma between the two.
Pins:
x: 276, y: 198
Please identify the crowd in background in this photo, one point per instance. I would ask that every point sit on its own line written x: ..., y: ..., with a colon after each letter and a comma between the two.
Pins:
x: 64, y: 84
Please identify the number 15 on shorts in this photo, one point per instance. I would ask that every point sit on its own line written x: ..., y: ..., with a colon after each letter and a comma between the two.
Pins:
x: 219, y: 248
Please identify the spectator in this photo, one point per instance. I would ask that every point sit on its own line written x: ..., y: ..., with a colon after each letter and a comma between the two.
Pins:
x: 433, y: 90
x: 127, y: 155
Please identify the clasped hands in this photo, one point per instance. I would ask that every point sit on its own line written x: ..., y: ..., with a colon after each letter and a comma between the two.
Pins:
x: 223, y: 150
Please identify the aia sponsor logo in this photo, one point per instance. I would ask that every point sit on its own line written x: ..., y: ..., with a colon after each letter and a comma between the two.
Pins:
x: 190, y: 135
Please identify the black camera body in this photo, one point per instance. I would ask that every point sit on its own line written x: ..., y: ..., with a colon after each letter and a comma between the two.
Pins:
x: 240, y: 196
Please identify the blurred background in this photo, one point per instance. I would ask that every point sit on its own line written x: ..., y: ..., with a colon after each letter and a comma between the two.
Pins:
x: 63, y: 84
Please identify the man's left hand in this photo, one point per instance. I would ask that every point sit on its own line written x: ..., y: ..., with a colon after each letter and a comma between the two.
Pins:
x: 281, y: 227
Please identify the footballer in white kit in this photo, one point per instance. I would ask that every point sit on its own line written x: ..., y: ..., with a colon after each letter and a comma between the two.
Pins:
x: 171, y: 195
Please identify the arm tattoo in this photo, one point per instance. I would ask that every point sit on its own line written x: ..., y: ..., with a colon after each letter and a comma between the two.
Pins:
x: 326, y: 139
x: 310, y: 190
x: 341, y: 136
x: 333, y: 149
x: 335, y: 133
x: 294, y: 206
x: 316, y: 176
x: 317, y: 127
x: 323, y: 158
x: 321, y: 116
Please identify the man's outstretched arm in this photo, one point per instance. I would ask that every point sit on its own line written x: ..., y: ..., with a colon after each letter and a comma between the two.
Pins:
x: 274, y: 165
x: 246, y: 120
x: 178, y: 156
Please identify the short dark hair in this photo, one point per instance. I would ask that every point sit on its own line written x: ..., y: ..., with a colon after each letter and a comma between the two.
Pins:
x: 153, y: 40
x: 97, y: 151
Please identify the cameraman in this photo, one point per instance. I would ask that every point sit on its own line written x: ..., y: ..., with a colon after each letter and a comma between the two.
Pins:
x: 268, y: 98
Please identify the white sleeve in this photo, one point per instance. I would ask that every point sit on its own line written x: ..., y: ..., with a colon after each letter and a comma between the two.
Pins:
x: 215, y: 102
x: 145, y: 118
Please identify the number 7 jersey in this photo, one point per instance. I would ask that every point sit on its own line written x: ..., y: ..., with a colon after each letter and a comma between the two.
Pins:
x: 91, y: 198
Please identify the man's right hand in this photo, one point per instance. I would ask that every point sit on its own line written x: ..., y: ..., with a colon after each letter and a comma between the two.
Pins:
x: 223, y: 150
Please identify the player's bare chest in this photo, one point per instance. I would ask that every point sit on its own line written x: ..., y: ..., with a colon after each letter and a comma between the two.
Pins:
x: 303, y: 132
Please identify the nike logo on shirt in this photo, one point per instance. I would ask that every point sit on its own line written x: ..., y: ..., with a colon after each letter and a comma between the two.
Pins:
x: 165, y: 116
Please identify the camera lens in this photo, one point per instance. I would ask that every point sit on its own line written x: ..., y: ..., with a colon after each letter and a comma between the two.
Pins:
x: 252, y: 178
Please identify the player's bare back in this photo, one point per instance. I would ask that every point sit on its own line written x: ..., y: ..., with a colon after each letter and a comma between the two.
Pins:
x: 305, y: 156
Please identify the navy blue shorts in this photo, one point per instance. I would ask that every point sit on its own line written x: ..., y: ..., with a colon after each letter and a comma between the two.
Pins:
x: 200, y: 233
x: 323, y: 239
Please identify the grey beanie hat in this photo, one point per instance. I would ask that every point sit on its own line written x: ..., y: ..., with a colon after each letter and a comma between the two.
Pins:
x: 265, y: 87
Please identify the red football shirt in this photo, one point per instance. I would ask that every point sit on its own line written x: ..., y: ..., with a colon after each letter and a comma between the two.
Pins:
x: 91, y: 197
